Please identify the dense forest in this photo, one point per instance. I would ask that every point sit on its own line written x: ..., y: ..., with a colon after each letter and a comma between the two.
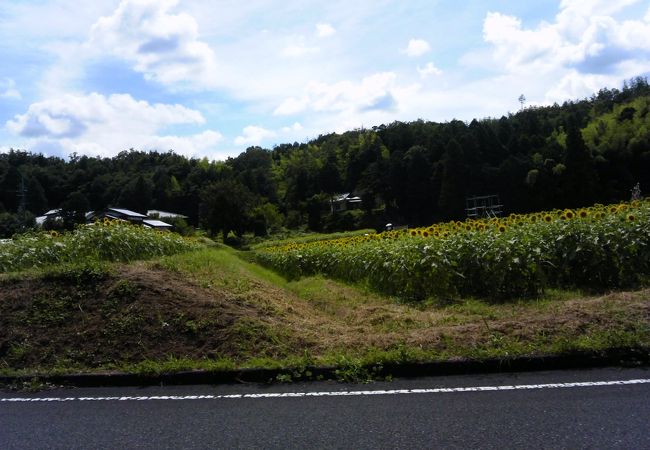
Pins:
x: 569, y: 155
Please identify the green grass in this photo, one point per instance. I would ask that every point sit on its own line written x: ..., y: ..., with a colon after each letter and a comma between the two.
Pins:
x: 303, y: 238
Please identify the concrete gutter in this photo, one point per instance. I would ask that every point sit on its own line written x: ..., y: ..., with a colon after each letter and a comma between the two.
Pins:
x: 624, y: 357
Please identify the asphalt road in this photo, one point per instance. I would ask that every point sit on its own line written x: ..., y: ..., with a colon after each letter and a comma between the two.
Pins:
x: 435, y: 412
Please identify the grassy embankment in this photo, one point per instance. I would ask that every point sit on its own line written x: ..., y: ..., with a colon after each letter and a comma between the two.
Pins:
x: 211, y: 309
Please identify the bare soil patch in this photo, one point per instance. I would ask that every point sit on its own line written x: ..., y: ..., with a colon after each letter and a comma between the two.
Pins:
x: 133, y: 314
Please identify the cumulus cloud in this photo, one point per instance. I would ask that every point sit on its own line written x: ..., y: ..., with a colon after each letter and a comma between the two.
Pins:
x: 578, y: 85
x: 583, y: 37
x: 161, y: 45
x: 254, y: 135
x: 428, y: 70
x: 324, y: 30
x: 374, y: 92
x: 585, y: 48
x: 203, y: 143
x: 99, y: 125
x: 417, y: 47
x: 8, y: 89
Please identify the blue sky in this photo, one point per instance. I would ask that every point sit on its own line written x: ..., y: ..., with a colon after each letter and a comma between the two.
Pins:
x: 210, y: 78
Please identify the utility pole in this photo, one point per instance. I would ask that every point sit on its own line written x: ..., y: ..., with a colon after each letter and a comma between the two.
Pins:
x: 22, y: 195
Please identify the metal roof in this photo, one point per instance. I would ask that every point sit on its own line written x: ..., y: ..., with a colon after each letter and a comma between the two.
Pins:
x: 127, y: 212
x: 156, y: 223
x: 164, y: 214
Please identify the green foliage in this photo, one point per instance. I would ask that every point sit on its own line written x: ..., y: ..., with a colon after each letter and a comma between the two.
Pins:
x: 11, y: 224
x: 226, y: 206
x: 107, y: 241
x: 593, y: 249
x: 622, y: 130
x: 570, y: 155
x: 73, y: 210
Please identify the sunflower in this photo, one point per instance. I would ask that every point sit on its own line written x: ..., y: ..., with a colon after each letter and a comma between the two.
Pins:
x: 569, y: 214
x: 414, y: 233
x: 631, y: 217
x: 502, y: 228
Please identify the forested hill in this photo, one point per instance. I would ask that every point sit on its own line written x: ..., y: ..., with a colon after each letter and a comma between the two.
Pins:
x: 570, y: 155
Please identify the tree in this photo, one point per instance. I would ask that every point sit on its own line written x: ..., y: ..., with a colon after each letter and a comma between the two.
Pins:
x: 11, y: 224
x: 137, y: 195
x: 580, y: 176
x: 36, y: 200
x: 452, y: 190
x: 254, y: 169
x: 266, y: 218
x: 9, y: 188
x: 226, y: 206
x: 74, y: 209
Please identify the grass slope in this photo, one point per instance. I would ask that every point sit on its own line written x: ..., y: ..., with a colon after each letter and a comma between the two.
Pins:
x: 211, y: 309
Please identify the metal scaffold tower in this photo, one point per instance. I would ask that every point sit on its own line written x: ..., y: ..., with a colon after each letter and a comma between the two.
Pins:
x: 483, y: 206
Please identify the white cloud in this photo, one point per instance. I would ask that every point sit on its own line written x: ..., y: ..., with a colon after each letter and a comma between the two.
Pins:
x: 293, y: 128
x: 428, y: 70
x: 374, y: 92
x: 583, y: 37
x: 291, y: 106
x: 163, y: 46
x: 8, y: 89
x: 584, y: 49
x: 576, y: 85
x: 99, y: 125
x: 417, y: 47
x: 254, y: 135
x: 298, y: 49
x: 203, y: 143
x: 324, y: 30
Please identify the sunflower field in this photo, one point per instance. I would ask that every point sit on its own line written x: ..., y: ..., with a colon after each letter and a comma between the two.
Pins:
x: 110, y: 240
x: 596, y: 248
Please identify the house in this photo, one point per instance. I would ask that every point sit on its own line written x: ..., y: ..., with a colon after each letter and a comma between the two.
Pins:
x: 344, y: 202
x: 156, y: 224
x: 52, y: 214
x: 134, y: 217
x: 164, y: 214
x: 117, y: 213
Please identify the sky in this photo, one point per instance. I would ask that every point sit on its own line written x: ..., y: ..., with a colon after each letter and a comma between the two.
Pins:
x: 212, y: 78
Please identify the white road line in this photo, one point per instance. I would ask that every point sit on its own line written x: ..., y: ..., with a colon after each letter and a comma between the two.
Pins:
x: 329, y: 393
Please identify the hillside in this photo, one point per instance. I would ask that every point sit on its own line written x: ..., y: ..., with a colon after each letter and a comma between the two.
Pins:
x: 559, y: 156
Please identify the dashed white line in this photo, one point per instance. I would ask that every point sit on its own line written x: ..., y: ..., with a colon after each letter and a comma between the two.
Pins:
x: 329, y: 393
